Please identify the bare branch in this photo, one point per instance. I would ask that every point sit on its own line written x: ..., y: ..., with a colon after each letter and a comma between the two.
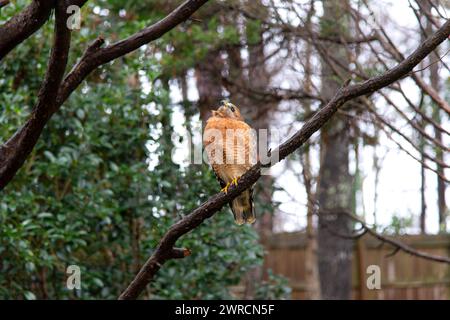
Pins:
x: 96, y: 56
x: 389, y: 46
x: 4, y: 3
x: 24, y: 24
x: 398, y: 245
x: 14, y: 152
x: 271, y: 94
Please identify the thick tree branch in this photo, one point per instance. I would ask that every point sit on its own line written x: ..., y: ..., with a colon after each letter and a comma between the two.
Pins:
x: 24, y: 24
x: 15, y: 151
x: 217, y: 201
x: 4, y: 3
x: 96, y: 56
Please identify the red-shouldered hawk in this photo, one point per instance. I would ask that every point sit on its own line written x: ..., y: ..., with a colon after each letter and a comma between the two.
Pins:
x: 230, y: 146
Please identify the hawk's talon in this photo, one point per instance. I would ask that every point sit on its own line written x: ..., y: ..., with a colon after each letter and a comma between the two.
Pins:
x: 225, y: 189
x: 229, y: 184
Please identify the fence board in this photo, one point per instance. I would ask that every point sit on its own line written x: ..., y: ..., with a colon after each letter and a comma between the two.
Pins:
x: 402, y: 276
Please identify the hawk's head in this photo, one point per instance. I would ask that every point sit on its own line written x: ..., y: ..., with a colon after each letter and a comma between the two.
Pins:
x: 227, y: 110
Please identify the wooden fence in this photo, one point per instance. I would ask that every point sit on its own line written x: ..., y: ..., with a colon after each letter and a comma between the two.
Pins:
x: 402, y: 276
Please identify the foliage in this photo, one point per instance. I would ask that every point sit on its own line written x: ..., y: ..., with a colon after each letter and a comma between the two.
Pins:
x: 275, y: 287
x: 399, y: 225
x: 100, y: 189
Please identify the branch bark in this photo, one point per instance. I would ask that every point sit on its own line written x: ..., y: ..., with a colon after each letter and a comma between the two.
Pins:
x: 24, y: 24
x: 3, y: 3
x: 15, y: 151
x: 217, y: 201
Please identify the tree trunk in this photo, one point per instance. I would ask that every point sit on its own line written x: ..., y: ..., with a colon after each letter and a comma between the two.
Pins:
x: 209, y: 83
x: 435, y: 83
x: 441, y: 185
x: 311, y: 270
x: 311, y: 259
x: 335, y: 182
x: 423, y: 184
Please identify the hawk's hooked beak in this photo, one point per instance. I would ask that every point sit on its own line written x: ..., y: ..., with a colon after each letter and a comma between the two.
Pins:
x: 219, y: 111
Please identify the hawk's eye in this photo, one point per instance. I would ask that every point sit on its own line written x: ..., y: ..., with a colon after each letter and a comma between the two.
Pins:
x: 232, y: 109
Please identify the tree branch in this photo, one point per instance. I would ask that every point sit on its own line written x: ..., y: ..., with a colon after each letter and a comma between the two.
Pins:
x: 398, y: 245
x: 4, y: 3
x: 96, y: 56
x: 431, y: 92
x: 15, y: 151
x: 271, y: 94
x: 217, y: 201
x: 24, y: 24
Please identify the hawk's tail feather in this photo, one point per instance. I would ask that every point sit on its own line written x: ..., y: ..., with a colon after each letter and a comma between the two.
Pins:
x: 242, y: 208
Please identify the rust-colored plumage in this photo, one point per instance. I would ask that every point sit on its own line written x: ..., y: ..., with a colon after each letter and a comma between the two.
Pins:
x: 230, y: 146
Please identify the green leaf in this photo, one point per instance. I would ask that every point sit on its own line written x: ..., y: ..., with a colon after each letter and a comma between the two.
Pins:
x: 29, y: 295
x: 44, y: 215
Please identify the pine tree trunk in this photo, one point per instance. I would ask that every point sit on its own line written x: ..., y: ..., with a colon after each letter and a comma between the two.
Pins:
x: 311, y: 259
x: 335, y: 182
x: 209, y: 84
x: 435, y: 83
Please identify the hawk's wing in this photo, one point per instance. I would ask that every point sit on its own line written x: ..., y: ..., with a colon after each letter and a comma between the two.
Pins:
x: 221, y: 182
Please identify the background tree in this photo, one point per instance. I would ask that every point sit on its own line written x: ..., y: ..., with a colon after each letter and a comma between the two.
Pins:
x: 335, y: 186
x: 99, y: 188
